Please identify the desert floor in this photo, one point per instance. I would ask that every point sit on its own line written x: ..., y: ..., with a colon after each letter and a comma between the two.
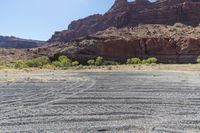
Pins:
x: 143, y: 99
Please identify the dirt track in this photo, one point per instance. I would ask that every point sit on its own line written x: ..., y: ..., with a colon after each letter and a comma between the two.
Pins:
x: 144, y: 102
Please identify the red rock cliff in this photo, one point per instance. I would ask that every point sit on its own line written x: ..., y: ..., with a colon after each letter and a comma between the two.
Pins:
x: 123, y: 14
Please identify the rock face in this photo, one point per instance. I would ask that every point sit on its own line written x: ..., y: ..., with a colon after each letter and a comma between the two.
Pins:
x: 123, y: 14
x: 13, y: 42
x: 170, y: 44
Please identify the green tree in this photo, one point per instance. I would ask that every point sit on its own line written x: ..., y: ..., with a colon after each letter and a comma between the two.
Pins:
x: 133, y: 61
x: 65, y: 61
x: 99, y: 61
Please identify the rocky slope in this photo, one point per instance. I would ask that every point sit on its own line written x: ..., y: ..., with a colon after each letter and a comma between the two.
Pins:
x: 13, y: 42
x: 170, y: 44
x: 123, y: 14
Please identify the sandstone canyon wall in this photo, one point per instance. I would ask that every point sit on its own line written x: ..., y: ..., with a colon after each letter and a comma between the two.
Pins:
x: 170, y: 44
x: 123, y: 14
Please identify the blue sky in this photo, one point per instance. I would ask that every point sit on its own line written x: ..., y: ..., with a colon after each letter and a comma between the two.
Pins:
x: 39, y: 19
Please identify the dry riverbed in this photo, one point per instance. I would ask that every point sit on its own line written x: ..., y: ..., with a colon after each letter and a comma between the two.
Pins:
x: 143, y: 99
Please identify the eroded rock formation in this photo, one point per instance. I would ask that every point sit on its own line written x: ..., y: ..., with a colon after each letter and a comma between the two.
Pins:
x: 123, y: 14
x: 170, y: 44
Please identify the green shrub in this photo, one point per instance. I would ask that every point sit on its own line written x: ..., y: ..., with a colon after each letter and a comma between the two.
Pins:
x: 75, y: 63
x: 62, y: 58
x: 37, y: 62
x: 128, y: 61
x: 152, y: 60
x: 33, y: 63
x: 107, y: 62
x: 65, y: 61
x: 91, y: 62
x: 198, y: 59
x: 57, y: 64
x: 133, y: 61
x: 19, y: 64
x: 145, y: 61
x: 99, y: 61
x: 136, y: 60
x: 42, y: 60
x: 30, y: 63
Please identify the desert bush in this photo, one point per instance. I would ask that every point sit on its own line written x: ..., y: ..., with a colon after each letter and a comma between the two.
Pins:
x: 37, y: 62
x: 30, y: 63
x: 152, y: 60
x: 75, y: 63
x: 133, y: 61
x: 57, y: 64
x: 19, y: 64
x: 48, y: 66
x: 145, y: 61
x: 91, y: 62
x: 43, y: 60
x: 198, y: 59
x: 108, y: 62
x: 99, y: 61
x: 64, y: 61
x: 128, y: 61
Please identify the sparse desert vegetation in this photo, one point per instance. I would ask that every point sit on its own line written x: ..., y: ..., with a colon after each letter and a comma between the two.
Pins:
x: 150, y: 60
x: 64, y: 62
x: 99, y: 64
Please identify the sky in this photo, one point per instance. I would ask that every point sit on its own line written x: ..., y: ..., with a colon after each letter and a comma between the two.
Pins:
x: 39, y: 19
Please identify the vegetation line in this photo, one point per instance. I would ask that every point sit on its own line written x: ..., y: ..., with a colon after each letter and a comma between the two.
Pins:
x: 63, y: 62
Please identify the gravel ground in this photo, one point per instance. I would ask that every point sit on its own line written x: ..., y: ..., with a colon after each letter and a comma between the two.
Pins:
x: 143, y: 102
